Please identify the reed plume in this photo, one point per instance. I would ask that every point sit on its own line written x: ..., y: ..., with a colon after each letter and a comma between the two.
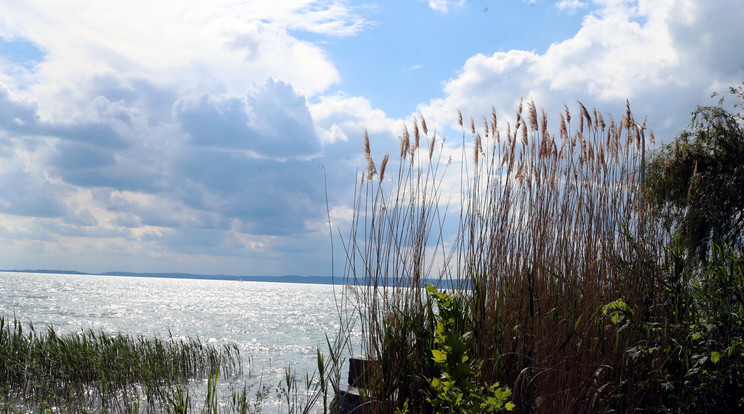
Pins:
x: 545, y: 237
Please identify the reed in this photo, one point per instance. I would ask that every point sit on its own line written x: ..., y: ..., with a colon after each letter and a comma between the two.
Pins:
x: 550, y: 228
x: 93, y: 371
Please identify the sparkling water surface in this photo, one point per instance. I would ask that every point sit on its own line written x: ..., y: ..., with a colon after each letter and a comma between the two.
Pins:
x: 275, y: 325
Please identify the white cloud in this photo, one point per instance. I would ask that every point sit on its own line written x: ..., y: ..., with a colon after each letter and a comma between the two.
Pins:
x: 443, y: 6
x: 163, y: 115
x: 665, y: 56
x: 149, y: 132
x: 570, y: 6
x: 339, y: 117
x: 185, y: 45
x: 147, y: 135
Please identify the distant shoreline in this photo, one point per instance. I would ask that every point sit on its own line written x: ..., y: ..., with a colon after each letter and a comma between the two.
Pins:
x: 311, y: 280
x: 314, y: 280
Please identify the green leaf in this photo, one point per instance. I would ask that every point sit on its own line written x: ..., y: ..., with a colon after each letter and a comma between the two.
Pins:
x: 510, y: 406
x: 715, y: 357
x: 439, y: 356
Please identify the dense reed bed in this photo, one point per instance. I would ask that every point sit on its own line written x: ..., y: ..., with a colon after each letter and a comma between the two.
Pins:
x: 542, y: 231
x: 97, y: 372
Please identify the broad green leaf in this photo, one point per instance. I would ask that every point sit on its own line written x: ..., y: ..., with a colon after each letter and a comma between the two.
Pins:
x: 439, y: 356
x: 715, y: 357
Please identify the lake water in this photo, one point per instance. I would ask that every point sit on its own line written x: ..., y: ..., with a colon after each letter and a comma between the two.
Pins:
x: 275, y: 325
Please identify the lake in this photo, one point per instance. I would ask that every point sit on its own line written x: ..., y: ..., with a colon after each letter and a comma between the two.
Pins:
x: 275, y: 325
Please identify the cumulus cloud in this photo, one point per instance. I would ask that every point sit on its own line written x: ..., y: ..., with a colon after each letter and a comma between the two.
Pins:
x: 163, y: 113
x: 257, y: 196
x: 26, y: 194
x: 183, y: 134
x: 20, y: 116
x: 183, y: 46
x: 15, y: 115
x: 654, y: 53
x: 159, y: 185
x: 338, y: 117
x: 271, y: 120
x: 150, y: 131
x: 341, y: 122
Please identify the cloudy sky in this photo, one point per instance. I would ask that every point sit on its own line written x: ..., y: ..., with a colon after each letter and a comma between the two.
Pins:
x: 186, y: 136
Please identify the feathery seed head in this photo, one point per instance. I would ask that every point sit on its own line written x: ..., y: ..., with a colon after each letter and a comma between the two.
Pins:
x: 596, y: 118
x: 367, y: 151
x: 543, y: 122
x: 532, y: 114
x: 585, y: 114
x: 416, y: 135
x: 371, y: 170
x: 628, y: 115
x: 383, y: 165
x: 431, y: 145
x: 476, y: 148
x: 405, y: 142
x: 563, y: 130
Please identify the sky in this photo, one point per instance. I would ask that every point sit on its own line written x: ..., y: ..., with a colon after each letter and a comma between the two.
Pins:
x: 215, y: 136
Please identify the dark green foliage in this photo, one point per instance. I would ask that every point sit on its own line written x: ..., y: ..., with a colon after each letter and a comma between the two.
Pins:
x: 697, y: 182
x: 689, y: 354
x: 458, y: 387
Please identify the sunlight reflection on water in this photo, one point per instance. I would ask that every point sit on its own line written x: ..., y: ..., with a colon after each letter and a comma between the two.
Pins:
x: 274, y: 324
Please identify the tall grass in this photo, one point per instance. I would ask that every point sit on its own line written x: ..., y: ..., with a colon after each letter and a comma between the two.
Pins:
x: 549, y: 229
x: 94, y: 371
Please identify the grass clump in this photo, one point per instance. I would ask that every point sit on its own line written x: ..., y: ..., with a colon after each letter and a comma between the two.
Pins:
x: 548, y: 229
x: 557, y: 286
x: 93, y: 371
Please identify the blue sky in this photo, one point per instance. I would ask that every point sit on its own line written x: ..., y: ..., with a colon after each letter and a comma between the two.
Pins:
x: 186, y: 136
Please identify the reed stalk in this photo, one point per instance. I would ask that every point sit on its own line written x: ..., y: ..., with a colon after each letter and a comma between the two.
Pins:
x: 550, y: 229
